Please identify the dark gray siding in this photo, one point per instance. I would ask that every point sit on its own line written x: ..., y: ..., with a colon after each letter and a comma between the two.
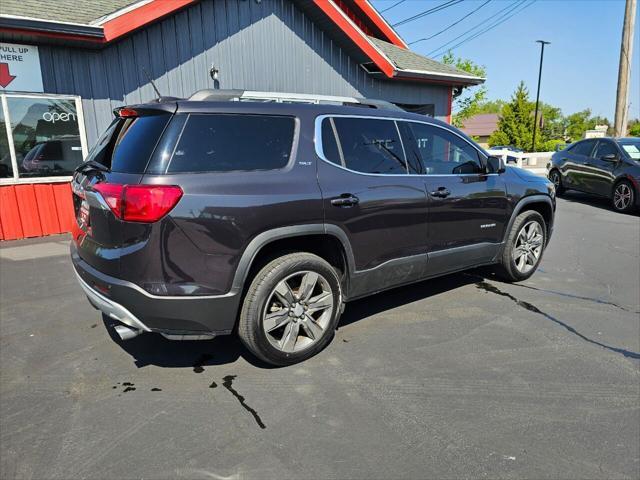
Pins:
x: 269, y: 46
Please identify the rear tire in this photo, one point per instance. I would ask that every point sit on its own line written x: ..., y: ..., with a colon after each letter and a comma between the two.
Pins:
x: 523, y: 250
x: 291, y: 309
x: 556, y: 179
x: 623, y: 198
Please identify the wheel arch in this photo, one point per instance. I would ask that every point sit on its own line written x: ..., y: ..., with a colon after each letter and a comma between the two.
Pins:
x: 635, y: 187
x: 628, y: 178
x: 539, y: 203
x: 327, y: 241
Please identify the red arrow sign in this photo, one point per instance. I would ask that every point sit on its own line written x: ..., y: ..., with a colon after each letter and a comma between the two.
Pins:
x: 5, y: 77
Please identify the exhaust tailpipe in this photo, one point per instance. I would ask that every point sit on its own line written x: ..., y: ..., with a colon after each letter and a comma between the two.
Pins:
x: 126, y: 333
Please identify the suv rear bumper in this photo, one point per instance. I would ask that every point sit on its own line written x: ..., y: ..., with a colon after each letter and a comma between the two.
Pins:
x: 173, y: 316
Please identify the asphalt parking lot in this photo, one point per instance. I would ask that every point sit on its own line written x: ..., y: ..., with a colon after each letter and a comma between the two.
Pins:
x: 458, y: 377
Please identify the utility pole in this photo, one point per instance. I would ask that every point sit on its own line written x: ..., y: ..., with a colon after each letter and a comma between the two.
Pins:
x: 624, y: 69
x: 535, y: 117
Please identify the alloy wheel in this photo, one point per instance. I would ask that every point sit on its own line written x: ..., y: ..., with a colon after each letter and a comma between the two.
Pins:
x: 622, y: 196
x: 555, y: 179
x: 298, y: 311
x: 528, y: 247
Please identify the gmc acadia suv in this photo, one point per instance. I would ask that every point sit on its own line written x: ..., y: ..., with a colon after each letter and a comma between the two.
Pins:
x: 199, y: 218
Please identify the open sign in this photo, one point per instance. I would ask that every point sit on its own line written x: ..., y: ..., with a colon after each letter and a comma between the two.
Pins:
x: 58, y: 117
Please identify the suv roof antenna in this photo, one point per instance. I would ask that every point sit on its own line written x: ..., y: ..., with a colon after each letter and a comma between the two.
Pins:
x: 144, y: 70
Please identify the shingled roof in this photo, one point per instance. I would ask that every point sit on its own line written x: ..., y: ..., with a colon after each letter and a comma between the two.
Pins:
x: 410, y: 62
x: 68, y: 11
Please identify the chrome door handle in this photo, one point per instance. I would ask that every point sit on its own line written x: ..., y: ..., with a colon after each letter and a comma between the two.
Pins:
x: 441, y: 192
x: 345, y: 200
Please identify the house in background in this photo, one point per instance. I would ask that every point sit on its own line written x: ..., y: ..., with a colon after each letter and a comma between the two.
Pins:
x: 481, y: 126
x: 65, y: 65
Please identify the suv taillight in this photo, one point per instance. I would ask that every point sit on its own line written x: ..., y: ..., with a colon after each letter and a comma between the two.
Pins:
x: 139, y: 203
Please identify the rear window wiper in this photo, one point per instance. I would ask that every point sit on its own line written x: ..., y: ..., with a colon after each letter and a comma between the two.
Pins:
x: 92, y: 165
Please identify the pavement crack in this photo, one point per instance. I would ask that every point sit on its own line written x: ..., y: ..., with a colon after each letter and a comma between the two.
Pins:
x: 487, y: 287
x: 578, y: 297
x: 227, y: 383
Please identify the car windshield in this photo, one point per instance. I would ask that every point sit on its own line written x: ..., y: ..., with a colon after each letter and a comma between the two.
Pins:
x: 631, y: 148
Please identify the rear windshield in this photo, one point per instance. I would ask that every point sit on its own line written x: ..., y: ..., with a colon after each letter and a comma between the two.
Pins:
x: 224, y: 142
x: 127, y: 143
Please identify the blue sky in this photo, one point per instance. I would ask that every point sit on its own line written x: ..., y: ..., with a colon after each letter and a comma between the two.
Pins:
x: 580, y: 66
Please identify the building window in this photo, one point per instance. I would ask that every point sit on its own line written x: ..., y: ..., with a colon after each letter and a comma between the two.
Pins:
x: 42, y: 139
x: 6, y: 165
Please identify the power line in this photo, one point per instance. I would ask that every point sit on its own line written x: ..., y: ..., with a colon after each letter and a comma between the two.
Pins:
x: 394, y: 5
x: 509, y: 8
x: 435, y: 9
x: 504, y: 18
x: 452, y: 25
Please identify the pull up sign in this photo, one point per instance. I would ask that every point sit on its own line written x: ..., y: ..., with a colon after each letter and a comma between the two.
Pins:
x: 20, y: 68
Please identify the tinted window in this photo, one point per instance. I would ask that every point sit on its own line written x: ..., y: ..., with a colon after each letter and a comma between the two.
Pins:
x: 605, y: 148
x: 100, y: 152
x: 222, y: 143
x: 136, y: 138
x: 442, y: 152
x: 583, y: 148
x: 371, y: 146
x: 329, y: 145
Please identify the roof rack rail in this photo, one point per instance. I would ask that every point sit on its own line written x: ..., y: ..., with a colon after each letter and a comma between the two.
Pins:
x: 211, y: 95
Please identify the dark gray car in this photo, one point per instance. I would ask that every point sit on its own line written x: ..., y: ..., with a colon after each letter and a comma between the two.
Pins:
x: 199, y: 218
x: 608, y: 167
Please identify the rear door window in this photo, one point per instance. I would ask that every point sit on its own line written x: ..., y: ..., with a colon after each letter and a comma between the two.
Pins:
x: 224, y: 143
x: 605, y: 147
x: 329, y: 144
x: 371, y: 145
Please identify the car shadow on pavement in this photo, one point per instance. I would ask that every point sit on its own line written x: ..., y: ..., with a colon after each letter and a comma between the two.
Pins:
x: 381, y: 302
x: 592, y: 200
x: 154, y: 349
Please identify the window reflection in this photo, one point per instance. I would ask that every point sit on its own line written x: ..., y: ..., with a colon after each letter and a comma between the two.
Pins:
x: 6, y: 170
x: 46, y: 136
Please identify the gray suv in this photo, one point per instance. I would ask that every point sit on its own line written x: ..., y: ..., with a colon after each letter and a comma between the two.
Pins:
x: 198, y: 218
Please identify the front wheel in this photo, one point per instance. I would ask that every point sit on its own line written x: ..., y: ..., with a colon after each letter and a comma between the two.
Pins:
x: 624, y: 197
x: 291, y: 309
x: 523, y: 250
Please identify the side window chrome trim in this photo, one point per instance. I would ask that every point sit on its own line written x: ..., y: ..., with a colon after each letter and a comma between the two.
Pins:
x: 317, y: 140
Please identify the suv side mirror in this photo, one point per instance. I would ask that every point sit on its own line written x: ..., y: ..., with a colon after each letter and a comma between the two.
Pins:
x: 495, y: 164
x: 610, y: 157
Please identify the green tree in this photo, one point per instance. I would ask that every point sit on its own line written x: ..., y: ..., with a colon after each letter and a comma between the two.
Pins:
x: 491, y: 106
x: 551, y: 122
x: 634, y: 128
x: 515, y: 126
x: 578, y: 123
x: 467, y: 102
